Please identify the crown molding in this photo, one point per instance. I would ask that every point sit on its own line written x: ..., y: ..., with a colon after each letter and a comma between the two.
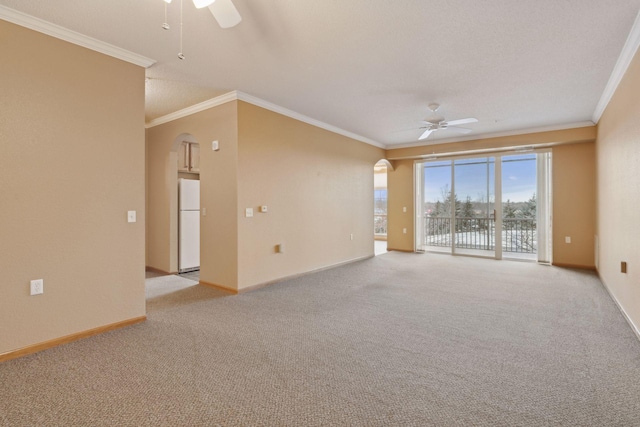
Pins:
x: 306, y: 119
x: 624, y: 60
x: 196, y: 108
x: 53, y: 30
x: 241, y: 96
x: 574, y: 125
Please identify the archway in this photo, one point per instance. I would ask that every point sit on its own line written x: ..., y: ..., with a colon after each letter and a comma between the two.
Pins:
x: 380, y: 205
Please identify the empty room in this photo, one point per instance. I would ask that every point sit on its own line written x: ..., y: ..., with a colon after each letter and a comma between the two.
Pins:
x: 362, y: 213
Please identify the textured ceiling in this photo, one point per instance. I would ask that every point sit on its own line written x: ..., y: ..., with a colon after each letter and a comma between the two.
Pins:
x: 371, y: 67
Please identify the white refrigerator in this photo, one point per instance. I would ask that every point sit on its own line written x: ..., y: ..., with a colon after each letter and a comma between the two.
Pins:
x: 189, y: 228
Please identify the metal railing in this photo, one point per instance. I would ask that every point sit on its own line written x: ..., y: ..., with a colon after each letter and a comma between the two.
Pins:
x: 380, y: 224
x: 518, y: 234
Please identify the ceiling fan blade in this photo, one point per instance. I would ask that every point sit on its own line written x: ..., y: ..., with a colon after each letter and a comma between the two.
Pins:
x: 462, y: 121
x: 425, y: 135
x: 459, y: 130
x: 225, y: 13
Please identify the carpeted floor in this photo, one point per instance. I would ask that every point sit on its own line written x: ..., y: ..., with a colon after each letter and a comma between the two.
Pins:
x: 399, y: 339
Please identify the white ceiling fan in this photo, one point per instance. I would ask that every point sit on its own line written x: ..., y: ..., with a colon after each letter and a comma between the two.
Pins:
x: 439, y: 123
x: 223, y: 10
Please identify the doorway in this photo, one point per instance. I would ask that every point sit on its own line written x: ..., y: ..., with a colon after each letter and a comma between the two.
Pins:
x: 489, y: 206
x: 380, y: 207
x: 187, y: 160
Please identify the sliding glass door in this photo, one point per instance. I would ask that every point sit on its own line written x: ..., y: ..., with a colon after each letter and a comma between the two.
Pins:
x: 436, y: 216
x: 495, y: 206
x: 474, y: 199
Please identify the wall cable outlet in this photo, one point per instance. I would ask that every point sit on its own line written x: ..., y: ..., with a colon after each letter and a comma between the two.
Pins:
x: 37, y: 287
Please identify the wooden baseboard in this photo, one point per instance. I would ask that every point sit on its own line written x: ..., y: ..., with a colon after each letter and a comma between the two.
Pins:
x: 635, y: 328
x: 580, y: 267
x: 399, y: 250
x: 14, y: 354
x: 281, y: 279
x: 157, y: 270
x: 295, y: 276
x: 219, y: 287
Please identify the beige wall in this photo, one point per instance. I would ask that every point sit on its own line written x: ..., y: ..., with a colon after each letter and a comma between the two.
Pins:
x: 318, y: 187
x: 72, y: 138
x: 573, y: 195
x: 400, y: 195
x: 218, y: 193
x: 574, y: 204
x: 618, y: 193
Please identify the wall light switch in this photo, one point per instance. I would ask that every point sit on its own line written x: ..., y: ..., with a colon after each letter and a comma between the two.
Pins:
x: 404, y: 209
x: 131, y: 216
x: 567, y: 239
x: 248, y: 212
x: 215, y: 145
x: 204, y: 211
x: 263, y: 209
x: 404, y: 231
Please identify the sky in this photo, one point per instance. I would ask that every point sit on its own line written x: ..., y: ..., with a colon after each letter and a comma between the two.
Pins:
x: 518, y: 178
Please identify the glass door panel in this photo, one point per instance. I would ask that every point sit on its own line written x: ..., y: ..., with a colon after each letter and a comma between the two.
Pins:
x: 437, y: 213
x: 519, y: 207
x: 474, y: 201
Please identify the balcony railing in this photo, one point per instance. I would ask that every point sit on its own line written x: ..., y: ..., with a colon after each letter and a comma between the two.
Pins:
x: 518, y: 234
x: 380, y: 225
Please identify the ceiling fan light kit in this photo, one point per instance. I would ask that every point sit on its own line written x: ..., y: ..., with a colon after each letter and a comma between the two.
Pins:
x: 199, y: 4
x: 439, y: 123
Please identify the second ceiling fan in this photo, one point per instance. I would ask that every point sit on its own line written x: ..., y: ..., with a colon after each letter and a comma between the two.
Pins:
x: 439, y: 123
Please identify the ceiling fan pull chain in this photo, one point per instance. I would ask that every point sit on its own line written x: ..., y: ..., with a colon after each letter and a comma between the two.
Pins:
x: 165, y: 25
x: 180, y: 54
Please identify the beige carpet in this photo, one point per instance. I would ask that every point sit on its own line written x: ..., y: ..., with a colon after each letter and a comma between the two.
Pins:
x: 400, y: 339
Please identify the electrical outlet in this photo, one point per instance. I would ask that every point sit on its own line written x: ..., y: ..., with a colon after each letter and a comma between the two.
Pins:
x: 567, y: 239
x: 131, y: 216
x: 37, y: 287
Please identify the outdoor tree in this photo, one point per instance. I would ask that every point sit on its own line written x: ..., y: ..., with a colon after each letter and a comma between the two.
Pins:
x: 467, y: 209
x: 529, y: 208
x: 445, y: 206
x: 509, y: 211
x: 468, y: 213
